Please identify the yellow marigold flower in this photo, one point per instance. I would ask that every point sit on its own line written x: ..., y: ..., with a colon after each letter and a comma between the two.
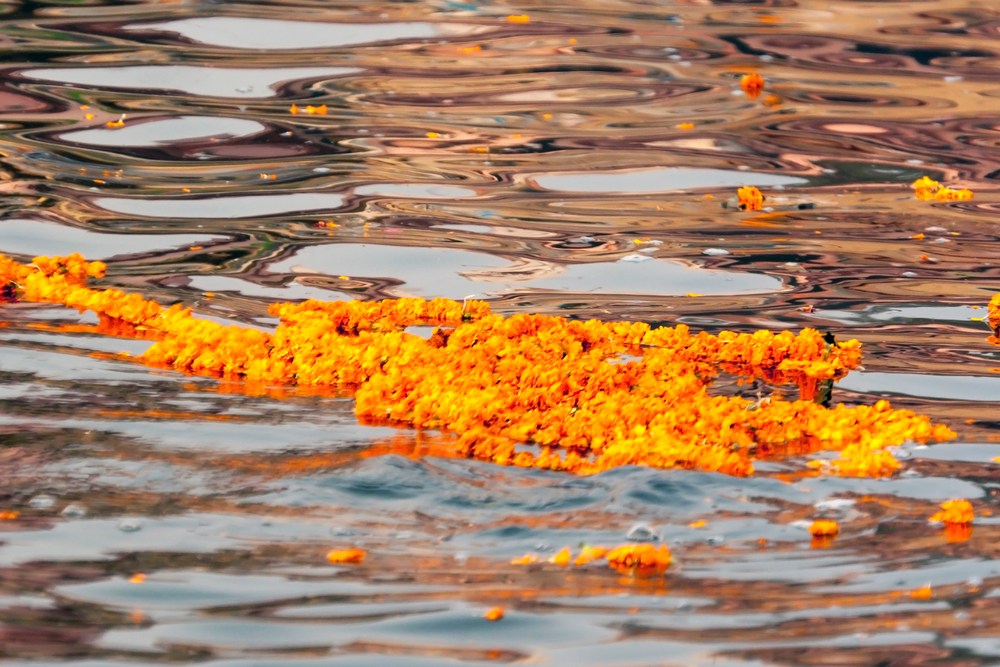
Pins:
x: 956, y: 511
x: 993, y: 317
x: 494, y: 614
x: 752, y: 84
x: 640, y: 558
x: 751, y: 199
x: 562, y: 557
x: 589, y: 554
x: 824, y: 528
x: 526, y: 559
x: 346, y: 555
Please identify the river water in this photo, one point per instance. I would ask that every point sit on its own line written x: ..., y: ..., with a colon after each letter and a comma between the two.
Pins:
x: 576, y: 159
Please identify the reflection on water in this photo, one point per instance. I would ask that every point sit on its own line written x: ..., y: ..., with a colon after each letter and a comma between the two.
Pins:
x: 578, y: 159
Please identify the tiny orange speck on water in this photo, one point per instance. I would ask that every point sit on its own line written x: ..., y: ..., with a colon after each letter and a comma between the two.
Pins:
x: 518, y: 18
x: 925, y: 592
x: 526, y: 559
x: 346, y: 555
x: 9, y: 515
x: 685, y: 126
x: 493, y: 614
x: 700, y: 523
x: 137, y: 578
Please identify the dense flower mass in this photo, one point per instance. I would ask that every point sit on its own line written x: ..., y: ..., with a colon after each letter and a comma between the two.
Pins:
x: 926, y: 188
x: 527, y: 390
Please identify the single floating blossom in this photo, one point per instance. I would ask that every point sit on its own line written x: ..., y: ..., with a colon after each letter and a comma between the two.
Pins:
x: 993, y: 318
x: 751, y: 198
x: 642, y: 559
x: 752, y: 84
x: 925, y: 189
x: 346, y: 556
x: 824, y: 528
x: 494, y: 614
x: 956, y: 511
x: 562, y: 557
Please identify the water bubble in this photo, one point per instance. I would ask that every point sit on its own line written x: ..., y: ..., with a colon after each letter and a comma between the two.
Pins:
x: 715, y: 252
x: 909, y: 274
x: 42, y: 502
x: 74, y: 511
x: 640, y: 532
x: 715, y: 540
x: 129, y: 525
x: 835, y: 505
x: 635, y: 257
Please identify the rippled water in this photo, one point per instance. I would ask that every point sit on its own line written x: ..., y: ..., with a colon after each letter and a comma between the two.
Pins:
x: 547, y: 166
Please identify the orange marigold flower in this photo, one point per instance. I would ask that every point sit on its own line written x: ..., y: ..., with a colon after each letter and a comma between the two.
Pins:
x: 346, y: 555
x: 824, y: 528
x: 640, y: 558
x: 752, y: 84
x: 925, y: 592
x: 956, y: 511
x: 589, y: 554
x: 993, y: 316
x: 751, y: 199
x: 494, y: 614
x: 9, y: 515
x: 562, y: 557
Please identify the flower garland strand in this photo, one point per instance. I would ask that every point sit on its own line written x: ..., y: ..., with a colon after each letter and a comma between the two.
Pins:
x: 527, y: 390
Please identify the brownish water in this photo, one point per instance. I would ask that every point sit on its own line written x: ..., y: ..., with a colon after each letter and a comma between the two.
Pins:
x: 545, y: 167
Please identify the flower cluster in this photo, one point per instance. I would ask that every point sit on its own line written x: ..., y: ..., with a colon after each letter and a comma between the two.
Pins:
x: 926, y: 188
x: 527, y: 390
x: 751, y: 198
x: 635, y: 559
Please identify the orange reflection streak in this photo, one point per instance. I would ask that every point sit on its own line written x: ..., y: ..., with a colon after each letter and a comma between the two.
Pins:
x: 589, y: 396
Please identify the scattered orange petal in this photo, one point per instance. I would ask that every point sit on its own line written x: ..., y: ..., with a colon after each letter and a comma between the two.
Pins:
x: 137, y: 578
x: 925, y: 592
x: 752, y: 84
x: 518, y: 18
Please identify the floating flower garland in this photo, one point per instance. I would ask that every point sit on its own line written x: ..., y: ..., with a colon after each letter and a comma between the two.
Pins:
x: 527, y: 390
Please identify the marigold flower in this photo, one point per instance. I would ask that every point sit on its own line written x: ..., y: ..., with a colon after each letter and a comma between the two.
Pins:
x: 824, y: 528
x: 993, y: 317
x: 589, y: 554
x: 562, y: 557
x: 494, y: 614
x: 137, y: 578
x: 501, y: 382
x: 751, y: 199
x: 752, y: 84
x: 925, y: 592
x: 640, y: 558
x: 9, y: 515
x: 956, y: 511
x: 346, y: 555
x: 526, y: 559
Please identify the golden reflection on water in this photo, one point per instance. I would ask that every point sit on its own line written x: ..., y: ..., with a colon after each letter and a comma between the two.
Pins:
x: 531, y: 163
